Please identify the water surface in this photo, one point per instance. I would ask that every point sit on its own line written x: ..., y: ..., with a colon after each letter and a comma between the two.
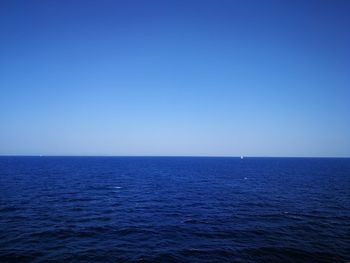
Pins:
x: 174, y: 209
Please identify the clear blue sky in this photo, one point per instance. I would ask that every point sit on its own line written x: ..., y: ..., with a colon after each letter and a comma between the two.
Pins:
x: 262, y: 78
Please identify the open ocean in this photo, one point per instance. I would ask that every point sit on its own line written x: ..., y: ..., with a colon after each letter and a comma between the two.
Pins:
x: 174, y: 209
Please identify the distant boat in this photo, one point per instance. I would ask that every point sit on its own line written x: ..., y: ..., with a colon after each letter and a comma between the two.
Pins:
x: 242, y: 157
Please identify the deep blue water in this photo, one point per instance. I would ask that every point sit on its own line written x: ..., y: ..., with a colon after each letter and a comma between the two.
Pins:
x: 160, y: 209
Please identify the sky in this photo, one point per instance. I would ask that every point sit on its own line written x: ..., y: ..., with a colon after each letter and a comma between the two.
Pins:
x: 197, y: 78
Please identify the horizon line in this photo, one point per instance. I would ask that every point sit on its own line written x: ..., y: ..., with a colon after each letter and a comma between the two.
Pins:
x: 174, y: 156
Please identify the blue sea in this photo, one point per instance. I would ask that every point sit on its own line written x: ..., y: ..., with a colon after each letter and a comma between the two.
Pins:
x: 174, y: 209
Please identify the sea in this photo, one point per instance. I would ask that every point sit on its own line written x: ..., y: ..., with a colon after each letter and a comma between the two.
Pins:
x: 174, y: 209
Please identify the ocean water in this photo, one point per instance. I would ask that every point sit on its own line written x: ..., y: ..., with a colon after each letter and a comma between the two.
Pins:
x: 174, y: 209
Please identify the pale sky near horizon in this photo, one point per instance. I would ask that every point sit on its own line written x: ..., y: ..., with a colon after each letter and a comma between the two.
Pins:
x: 223, y: 78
